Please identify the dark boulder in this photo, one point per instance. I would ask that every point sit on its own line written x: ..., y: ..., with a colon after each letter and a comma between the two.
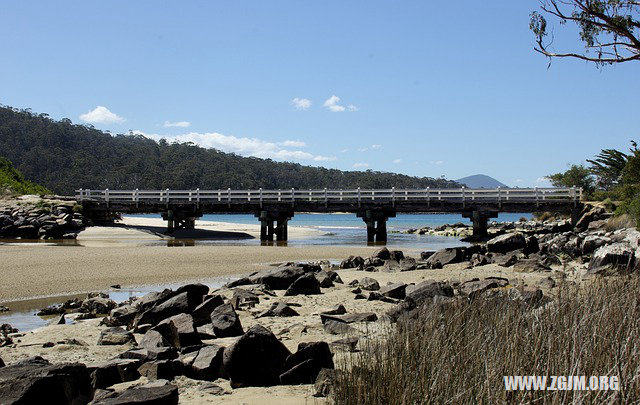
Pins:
x: 382, y: 254
x: 257, y: 358
x: 161, y: 369
x: 208, y: 363
x: 279, y: 309
x: 279, y: 278
x: 424, y: 292
x: 173, y: 306
x: 98, y: 305
x: 350, y: 318
x: 153, y: 340
x: 445, y: 256
x: 304, y: 365
x: 226, y: 322
x: 324, y: 279
x: 123, y: 315
x: 115, y: 336
x: 369, y: 284
x: 507, y: 243
x: 304, y: 285
x: 325, y: 382
x: 150, y: 394
x: 242, y: 298
x: 179, y: 330
x: 202, y: 313
x: 115, y: 371
x: 395, y: 290
x: 352, y: 262
x: 35, y: 381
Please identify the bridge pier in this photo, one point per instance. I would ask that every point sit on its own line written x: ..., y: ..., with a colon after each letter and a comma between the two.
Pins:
x: 178, y: 219
x: 274, y: 223
x: 480, y: 220
x: 376, y: 221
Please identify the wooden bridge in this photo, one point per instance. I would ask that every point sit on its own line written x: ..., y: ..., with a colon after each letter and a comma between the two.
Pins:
x: 275, y: 208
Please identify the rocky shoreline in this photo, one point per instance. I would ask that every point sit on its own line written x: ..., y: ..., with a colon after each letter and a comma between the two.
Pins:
x: 50, y: 217
x: 290, y: 324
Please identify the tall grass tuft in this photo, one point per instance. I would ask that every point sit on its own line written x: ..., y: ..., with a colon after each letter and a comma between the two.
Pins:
x: 459, y: 354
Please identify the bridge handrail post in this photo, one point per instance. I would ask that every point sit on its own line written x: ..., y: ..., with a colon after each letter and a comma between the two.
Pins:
x: 260, y: 189
x: 167, y: 198
x: 106, y: 196
x: 463, y: 202
x: 428, y: 197
x: 326, y: 201
x: 229, y: 196
x: 198, y: 197
x: 537, y: 198
x: 358, y: 196
x: 190, y: 193
x: 573, y: 195
x: 310, y: 195
x: 507, y: 192
x: 393, y: 196
x: 406, y: 195
x: 293, y: 197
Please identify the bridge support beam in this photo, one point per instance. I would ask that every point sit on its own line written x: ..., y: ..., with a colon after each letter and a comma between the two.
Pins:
x: 480, y: 220
x: 178, y: 219
x: 376, y: 221
x: 274, y: 223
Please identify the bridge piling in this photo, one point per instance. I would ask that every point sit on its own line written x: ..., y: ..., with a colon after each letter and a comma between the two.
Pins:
x: 480, y: 220
x: 274, y: 223
x: 180, y: 220
x: 376, y: 221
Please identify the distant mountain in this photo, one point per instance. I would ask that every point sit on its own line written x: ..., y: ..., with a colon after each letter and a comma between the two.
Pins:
x: 62, y: 157
x: 481, y: 181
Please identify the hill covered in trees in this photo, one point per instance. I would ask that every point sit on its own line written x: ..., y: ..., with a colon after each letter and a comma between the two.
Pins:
x: 13, y: 182
x: 64, y: 156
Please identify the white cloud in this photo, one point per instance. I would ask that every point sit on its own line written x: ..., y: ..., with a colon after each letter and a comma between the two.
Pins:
x: 293, y: 144
x: 301, y: 103
x: 344, y: 151
x: 244, y: 146
x: 396, y: 161
x: 332, y: 103
x: 360, y: 165
x: 541, y: 179
x: 518, y: 180
x: 101, y: 115
x: 437, y: 162
x: 179, y: 124
x: 363, y: 149
x: 376, y: 146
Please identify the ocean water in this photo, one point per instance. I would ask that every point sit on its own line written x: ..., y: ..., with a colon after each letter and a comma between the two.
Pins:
x: 347, y: 229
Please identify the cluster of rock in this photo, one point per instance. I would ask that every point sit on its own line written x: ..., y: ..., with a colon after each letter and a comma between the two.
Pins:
x: 177, y: 328
x: 47, y: 219
x: 459, y: 230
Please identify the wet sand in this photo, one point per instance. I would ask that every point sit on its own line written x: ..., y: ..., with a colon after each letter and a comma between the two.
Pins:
x: 104, y: 256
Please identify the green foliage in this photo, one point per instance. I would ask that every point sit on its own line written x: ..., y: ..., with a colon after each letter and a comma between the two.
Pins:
x: 607, y: 166
x: 13, y: 182
x: 609, y: 29
x: 576, y: 176
x: 65, y: 157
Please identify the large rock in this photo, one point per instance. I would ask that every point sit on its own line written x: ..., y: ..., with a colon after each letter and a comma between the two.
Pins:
x: 382, y: 254
x: 350, y: 318
x: 395, y: 290
x: 593, y: 242
x: 226, y: 322
x: 208, y: 363
x: 115, y: 336
x: 202, y: 313
x: 279, y: 278
x: 325, y: 279
x: 425, y: 292
x: 279, y: 309
x: 369, y: 284
x: 257, y: 358
x: 304, y: 285
x: 161, y: 369
x: 474, y: 288
x: 153, y: 340
x: 179, y: 331
x: 507, y: 243
x: 98, y: 305
x: 304, y: 365
x: 588, y: 216
x: 35, y: 381
x: 404, y: 264
x: 173, y: 306
x: 325, y: 382
x: 150, y: 394
x: 352, y: 262
x: 445, y: 256
x: 123, y: 316
x: 617, y: 258
x: 115, y: 371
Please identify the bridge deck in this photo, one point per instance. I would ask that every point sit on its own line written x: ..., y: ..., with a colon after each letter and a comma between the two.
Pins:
x: 325, y: 200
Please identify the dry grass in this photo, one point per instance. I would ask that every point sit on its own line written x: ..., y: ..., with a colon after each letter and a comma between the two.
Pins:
x: 620, y: 222
x: 459, y: 354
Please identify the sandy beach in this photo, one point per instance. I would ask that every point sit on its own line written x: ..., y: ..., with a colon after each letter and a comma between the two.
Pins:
x: 129, y: 254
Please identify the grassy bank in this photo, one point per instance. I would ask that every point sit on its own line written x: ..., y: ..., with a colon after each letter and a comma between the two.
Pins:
x: 460, y: 353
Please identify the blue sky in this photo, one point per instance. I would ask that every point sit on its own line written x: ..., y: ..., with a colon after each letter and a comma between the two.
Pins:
x: 422, y: 88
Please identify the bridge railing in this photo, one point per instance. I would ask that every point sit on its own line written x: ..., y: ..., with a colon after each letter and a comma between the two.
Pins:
x: 229, y: 196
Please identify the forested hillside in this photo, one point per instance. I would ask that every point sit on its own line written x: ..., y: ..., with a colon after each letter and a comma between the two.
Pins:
x: 63, y: 156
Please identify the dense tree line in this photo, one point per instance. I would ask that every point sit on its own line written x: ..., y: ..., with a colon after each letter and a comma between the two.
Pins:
x: 13, y: 182
x: 63, y: 156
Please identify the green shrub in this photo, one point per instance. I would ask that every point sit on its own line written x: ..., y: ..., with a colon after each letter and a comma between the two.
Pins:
x: 12, y: 181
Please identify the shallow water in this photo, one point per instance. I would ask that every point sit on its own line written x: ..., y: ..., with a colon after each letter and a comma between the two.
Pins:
x: 22, y: 314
